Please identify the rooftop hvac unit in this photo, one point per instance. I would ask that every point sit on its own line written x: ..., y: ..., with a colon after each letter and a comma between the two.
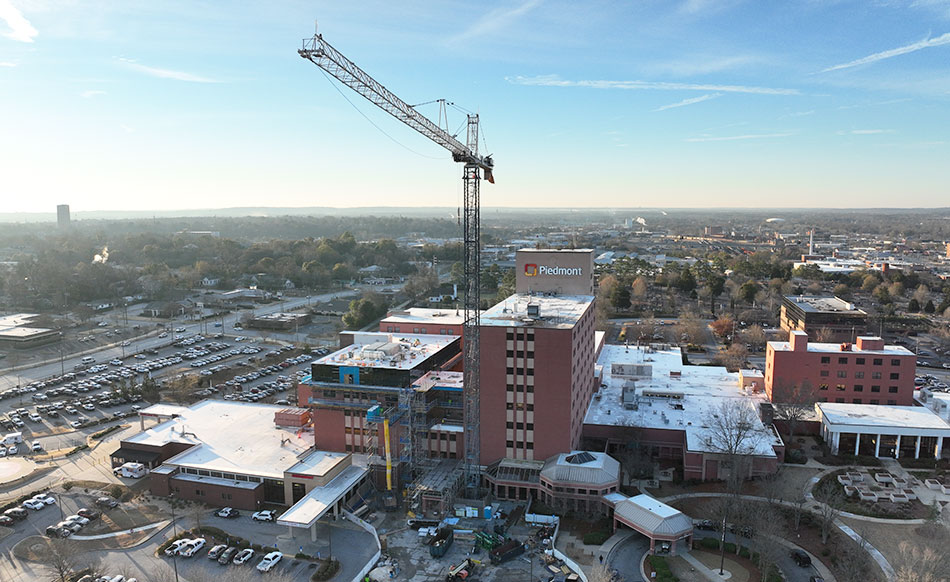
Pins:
x: 534, y: 310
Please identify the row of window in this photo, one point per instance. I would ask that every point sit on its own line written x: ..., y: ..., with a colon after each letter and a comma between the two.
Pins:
x: 511, y: 388
x: 442, y: 331
x: 519, y: 445
x: 519, y: 354
x: 519, y: 406
x: 861, y: 361
x: 219, y: 475
x: 579, y: 491
x: 859, y: 388
x: 859, y: 375
x: 528, y: 334
x: 520, y: 425
x: 860, y: 401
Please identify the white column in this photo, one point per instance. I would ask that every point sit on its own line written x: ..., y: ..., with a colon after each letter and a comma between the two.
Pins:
x: 897, y: 449
x: 939, y: 447
x: 877, y: 447
x: 835, y: 442
x: 313, y: 532
x: 917, y: 448
x: 857, y: 444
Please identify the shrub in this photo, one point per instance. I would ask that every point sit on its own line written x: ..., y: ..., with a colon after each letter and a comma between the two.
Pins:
x: 116, y: 491
x: 326, y: 570
x: 302, y: 556
x: 105, y: 431
x: 709, y: 543
x: 595, y: 538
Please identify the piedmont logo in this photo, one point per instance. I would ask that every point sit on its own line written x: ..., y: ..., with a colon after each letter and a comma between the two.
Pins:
x: 533, y: 270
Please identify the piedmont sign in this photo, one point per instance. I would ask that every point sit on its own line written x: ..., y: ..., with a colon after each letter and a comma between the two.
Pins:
x: 533, y: 270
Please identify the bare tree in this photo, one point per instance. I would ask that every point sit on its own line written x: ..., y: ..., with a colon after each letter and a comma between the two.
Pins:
x: 767, y: 525
x: 921, y: 563
x: 830, y: 497
x: 65, y: 558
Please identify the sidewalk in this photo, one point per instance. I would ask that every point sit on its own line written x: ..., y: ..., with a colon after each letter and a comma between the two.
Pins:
x: 711, y: 575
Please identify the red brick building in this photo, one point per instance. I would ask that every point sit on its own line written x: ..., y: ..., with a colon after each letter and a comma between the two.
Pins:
x: 537, y: 375
x: 866, y: 372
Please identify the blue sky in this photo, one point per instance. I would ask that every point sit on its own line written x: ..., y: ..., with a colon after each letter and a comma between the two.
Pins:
x: 167, y: 105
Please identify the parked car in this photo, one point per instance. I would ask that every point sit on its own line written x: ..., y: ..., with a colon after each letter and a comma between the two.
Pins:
x: 227, y: 512
x: 269, y: 561
x: 106, y: 502
x: 6, y: 521
x: 266, y: 515
x: 57, y: 532
x: 215, y: 552
x: 16, y: 513
x: 36, y: 446
x: 33, y: 504
x: 45, y: 498
x: 192, y: 548
x: 78, y: 519
x: 226, y: 555
x: 244, y: 556
x: 706, y: 524
x: 89, y: 513
x: 175, y: 546
x: 801, y: 558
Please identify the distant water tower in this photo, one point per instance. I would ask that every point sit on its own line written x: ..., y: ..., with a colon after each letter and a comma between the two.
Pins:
x: 62, y: 215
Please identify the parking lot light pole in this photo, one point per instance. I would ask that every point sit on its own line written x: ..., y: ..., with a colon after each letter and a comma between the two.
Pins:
x: 171, y: 496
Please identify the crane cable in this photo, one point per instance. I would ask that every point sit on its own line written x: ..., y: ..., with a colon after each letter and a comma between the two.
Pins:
x: 373, y: 123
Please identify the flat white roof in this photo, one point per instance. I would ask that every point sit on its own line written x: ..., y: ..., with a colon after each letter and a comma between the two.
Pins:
x: 889, y: 350
x: 879, y: 416
x: 318, y: 463
x: 682, y: 400
x: 555, y: 311
x: 231, y: 437
x: 319, y: 500
x: 424, y: 315
x: 439, y: 378
x: 654, y: 505
x: 387, y: 350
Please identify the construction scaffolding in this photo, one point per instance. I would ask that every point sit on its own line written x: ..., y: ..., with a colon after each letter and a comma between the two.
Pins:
x: 436, y: 488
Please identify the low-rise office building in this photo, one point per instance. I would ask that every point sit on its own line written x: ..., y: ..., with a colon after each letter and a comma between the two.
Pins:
x: 828, y: 319
x: 915, y: 432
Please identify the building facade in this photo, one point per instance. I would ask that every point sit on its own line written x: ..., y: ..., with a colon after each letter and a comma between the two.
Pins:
x: 866, y: 372
x: 827, y: 319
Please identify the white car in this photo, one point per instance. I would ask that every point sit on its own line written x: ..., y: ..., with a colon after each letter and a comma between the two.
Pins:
x: 12, y: 450
x: 44, y: 498
x: 192, y: 547
x: 77, y: 518
x: 176, y: 546
x: 34, y: 504
x: 36, y: 446
x: 269, y: 561
x: 244, y: 556
x: 266, y: 515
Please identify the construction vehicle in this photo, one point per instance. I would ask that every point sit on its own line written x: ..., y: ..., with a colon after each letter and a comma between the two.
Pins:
x: 440, y: 543
x: 506, y: 551
x: 461, y: 571
x: 322, y: 54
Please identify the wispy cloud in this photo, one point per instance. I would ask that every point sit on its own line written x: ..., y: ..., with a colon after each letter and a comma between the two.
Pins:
x: 941, y: 40
x: 7, y: 64
x: 556, y: 81
x: 20, y: 27
x: 165, y: 73
x: 91, y: 94
x: 686, y: 102
x: 865, y: 131
x: 741, y: 137
x: 495, y: 20
x: 703, y: 65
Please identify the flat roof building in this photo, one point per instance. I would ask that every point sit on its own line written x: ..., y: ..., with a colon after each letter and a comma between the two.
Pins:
x: 423, y: 320
x: 916, y: 432
x: 648, y: 396
x: 18, y: 331
x: 232, y: 454
x: 866, y: 372
x: 827, y: 319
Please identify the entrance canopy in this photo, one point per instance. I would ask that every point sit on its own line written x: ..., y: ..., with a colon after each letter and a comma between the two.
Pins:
x: 654, y: 519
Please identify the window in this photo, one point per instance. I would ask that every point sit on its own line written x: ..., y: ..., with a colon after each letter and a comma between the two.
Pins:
x: 875, y: 401
x: 840, y: 387
x: 825, y: 373
x: 856, y: 401
x: 875, y: 388
x: 878, y: 361
x: 826, y: 359
x: 896, y: 362
x: 892, y: 389
x: 891, y: 402
x: 842, y: 360
x: 822, y: 386
x: 859, y: 375
x: 509, y: 406
x: 859, y: 361
x: 895, y: 376
x: 875, y: 375
x: 509, y: 425
x: 839, y: 400
x: 859, y: 387
x: 842, y: 373
x: 510, y: 444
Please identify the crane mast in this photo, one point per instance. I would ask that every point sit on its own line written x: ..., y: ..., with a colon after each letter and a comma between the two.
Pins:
x: 321, y: 53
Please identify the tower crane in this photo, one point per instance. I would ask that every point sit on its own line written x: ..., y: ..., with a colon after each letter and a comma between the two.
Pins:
x: 319, y: 52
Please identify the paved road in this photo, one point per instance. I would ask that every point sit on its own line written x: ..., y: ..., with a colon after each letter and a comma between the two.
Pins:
x: 626, y: 557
